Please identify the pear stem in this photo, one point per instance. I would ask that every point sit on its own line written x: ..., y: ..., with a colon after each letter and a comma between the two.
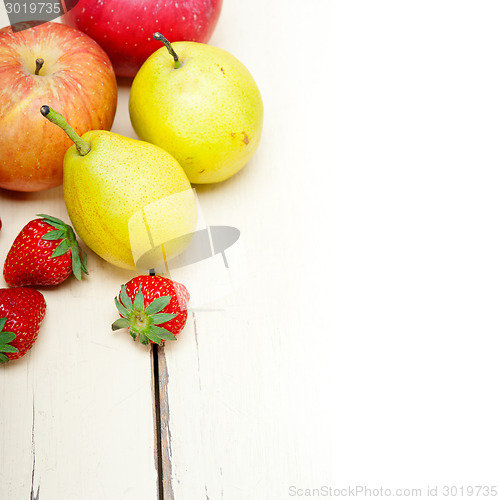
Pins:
x: 168, y: 45
x: 39, y: 64
x: 82, y: 146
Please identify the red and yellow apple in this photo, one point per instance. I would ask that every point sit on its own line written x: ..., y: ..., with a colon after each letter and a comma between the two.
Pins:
x: 124, y: 28
x: 76, y: 77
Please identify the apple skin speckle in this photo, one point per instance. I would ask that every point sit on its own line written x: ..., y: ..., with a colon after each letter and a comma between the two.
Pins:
x: 190, y: 20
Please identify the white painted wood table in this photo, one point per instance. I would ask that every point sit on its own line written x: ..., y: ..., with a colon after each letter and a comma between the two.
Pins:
x: 361, y: 351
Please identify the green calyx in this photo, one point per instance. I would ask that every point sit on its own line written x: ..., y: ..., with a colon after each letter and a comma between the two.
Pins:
x: 5, y: 339
x: 141, y: 321
x: 64, y: 232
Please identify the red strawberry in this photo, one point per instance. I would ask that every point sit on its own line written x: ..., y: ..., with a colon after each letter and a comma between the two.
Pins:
x: 21, y: 313
x: 45, y: 252
x: 153, y: 308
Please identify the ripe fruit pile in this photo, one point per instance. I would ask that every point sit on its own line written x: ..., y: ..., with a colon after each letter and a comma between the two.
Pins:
x: 46, y: 253
x: 196, y: 108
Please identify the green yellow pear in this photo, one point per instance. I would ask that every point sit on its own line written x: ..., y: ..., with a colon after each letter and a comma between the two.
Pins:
x: 109, y: 179
x: 200, y: 104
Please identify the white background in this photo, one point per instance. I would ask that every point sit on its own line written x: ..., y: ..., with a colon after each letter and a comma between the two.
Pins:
x: 363, y: 348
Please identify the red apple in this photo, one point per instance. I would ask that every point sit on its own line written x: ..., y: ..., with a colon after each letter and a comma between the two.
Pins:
x: 76, y: 78
x: 125, y: 28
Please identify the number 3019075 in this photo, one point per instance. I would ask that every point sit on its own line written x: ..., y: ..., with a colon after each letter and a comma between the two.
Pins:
x: 33, y: 8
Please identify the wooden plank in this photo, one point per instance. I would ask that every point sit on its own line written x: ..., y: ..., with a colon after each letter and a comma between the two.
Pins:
x: 239, y: 376
x: 362, y: 350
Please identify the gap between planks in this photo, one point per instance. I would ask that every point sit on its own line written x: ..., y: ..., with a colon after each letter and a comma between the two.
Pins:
x: 162, y: 434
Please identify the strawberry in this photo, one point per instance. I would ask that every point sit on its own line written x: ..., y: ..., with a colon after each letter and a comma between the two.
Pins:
x: 45, y: 252
x: 21, y: 313
x: 153, y: 308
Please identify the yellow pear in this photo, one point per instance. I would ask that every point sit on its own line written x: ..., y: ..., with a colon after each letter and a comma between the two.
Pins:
x: 109, y: 179
x: 200, y: 104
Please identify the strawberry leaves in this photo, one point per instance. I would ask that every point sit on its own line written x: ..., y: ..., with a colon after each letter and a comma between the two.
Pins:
x: 65, y: 233
x: 5, y: 339
x: 145, y: 323
x: 158, y: 305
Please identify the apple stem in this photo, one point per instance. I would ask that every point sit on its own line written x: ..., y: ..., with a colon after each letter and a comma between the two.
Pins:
x: 168, y: 45
x: 82, y: 146
x: 39, y: 64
